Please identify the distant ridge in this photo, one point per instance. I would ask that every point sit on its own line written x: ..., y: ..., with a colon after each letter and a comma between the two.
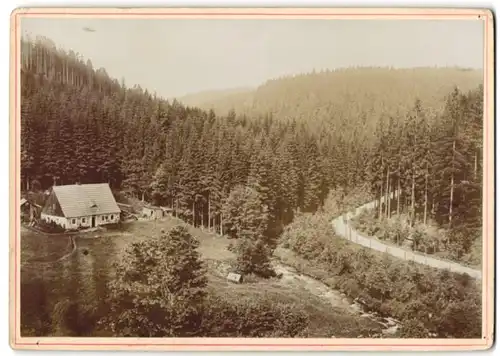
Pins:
x: 208, y: 97
x: 351, y: 91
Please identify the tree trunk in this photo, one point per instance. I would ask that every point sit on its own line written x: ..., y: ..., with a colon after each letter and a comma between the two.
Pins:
x: 399, y: 188
x: 450, y: 213
x: 380, y: 202
x: 387, y: 195
x: 221, y: 223
x: 412, y: 216
x: 209, y: 228
x: 426, y: 193
x: 475, y: 166
x: 389, y: 200
x: 194, y: 215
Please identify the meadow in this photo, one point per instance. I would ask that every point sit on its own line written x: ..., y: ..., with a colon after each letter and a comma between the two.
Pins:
x: 84, y: 273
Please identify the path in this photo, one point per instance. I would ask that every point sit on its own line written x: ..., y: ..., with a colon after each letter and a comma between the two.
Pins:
x: 36, y: 264
x: 343, y: 228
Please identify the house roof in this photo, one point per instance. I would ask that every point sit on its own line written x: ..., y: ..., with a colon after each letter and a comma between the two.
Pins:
x: 152, y: 207
x: 86, y: 199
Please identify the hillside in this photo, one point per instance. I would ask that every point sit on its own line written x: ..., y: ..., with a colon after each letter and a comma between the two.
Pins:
x: 337, y: 95
x: 217, y: 98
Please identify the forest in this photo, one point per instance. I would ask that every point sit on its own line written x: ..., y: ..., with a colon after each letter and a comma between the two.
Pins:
x: 95, y: 129
x: 412, y: 135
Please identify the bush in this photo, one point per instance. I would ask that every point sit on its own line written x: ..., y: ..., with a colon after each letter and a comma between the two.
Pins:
x: 250, y: 318
x: 405, y: 290
x: 254, y: 257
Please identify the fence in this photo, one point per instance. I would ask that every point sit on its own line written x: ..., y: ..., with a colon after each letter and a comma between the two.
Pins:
x: 342, y: 228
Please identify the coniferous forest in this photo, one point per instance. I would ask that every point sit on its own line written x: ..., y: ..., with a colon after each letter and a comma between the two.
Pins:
x: 247, y: 173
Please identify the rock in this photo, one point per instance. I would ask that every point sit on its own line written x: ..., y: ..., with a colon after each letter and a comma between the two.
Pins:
x: 390, y: 331
x: 235, y: 277
x: 390, y: 321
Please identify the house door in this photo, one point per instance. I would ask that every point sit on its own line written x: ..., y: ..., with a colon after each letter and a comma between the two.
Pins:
x: 93, y: 221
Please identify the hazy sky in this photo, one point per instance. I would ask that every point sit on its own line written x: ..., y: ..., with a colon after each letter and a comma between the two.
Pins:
x: 176, y: 57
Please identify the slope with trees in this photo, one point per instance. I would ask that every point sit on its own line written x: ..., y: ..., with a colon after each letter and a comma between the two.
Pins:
x: 248, y: 174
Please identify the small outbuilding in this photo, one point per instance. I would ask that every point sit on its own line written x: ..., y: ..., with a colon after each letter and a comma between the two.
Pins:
x: 235, y: 277
x: 153, y: 212
x: 30, y: 211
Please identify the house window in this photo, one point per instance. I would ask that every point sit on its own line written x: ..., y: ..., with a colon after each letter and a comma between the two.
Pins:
x: 73, y: 221
x: 111, y: 217
x: 83, y: 220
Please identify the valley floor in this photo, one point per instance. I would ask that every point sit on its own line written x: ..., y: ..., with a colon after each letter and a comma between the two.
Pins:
x: 331, y: 313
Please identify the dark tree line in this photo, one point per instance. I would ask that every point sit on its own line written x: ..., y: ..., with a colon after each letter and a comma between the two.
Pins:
x: 432, y: 162
x: 80, y: 125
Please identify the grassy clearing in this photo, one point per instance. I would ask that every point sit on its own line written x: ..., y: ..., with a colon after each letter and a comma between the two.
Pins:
x: 38, y: 247
x: 94, y: 257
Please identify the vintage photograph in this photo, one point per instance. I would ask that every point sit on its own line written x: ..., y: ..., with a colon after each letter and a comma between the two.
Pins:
x: 253, y: 177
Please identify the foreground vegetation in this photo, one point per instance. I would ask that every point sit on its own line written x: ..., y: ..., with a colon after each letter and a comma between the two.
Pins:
x: 428, y: 302
x: 73, y: 296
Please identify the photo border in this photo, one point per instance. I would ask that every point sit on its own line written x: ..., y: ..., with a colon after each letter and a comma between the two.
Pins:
x: 247, y: 344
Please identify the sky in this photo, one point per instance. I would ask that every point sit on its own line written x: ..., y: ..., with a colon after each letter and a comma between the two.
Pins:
x: 174, y: 57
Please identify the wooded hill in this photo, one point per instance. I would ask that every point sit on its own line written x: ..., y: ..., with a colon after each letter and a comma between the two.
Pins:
x: 342, y: 95
x: 80, y: 125
x: 210, y: 99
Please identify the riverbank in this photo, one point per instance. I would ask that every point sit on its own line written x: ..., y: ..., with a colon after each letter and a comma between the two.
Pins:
x: 310, y: 279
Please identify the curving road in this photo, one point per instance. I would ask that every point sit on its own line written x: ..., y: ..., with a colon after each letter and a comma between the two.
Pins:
x: 344, y: 229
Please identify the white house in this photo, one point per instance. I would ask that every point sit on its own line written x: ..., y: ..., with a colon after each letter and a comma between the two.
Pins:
x: 81, y: 205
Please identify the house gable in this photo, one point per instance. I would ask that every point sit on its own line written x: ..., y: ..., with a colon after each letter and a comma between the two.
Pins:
x: 52, y: 206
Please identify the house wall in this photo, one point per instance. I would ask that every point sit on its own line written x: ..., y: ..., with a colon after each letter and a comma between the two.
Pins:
x: 59, y: 220
x: 152, y: 213
x: 83, y: 221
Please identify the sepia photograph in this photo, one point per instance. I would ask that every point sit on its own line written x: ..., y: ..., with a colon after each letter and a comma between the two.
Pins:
x: 308, y: 178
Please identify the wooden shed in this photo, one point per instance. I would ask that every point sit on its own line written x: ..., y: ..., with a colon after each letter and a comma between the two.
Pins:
x: 30, y: 211
x: 153, y: 212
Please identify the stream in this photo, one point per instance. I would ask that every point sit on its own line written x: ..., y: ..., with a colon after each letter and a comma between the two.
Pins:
x: 337, y: 299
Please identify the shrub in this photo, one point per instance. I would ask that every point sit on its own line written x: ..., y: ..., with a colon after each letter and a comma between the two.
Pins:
x: 254, y: 257
x: 405, y: 290
x: 250, y: 318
